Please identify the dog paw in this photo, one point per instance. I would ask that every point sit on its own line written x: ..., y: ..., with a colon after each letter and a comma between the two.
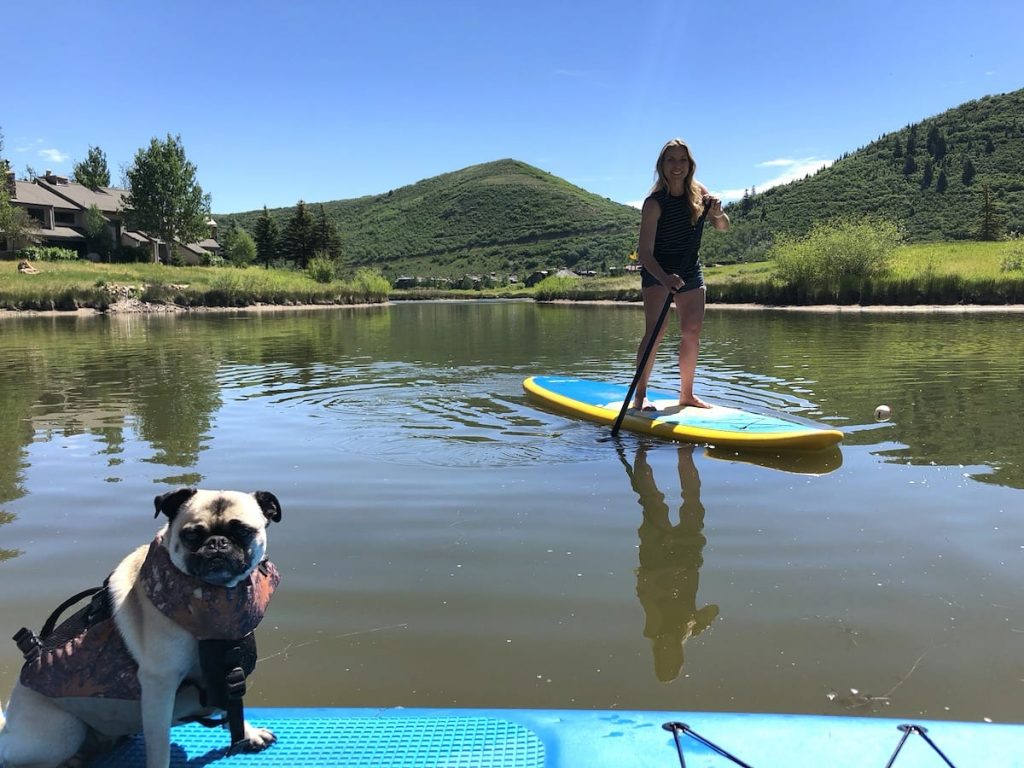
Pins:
x: 256, y: 739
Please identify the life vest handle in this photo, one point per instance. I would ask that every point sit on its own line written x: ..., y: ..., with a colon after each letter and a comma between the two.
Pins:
x: 51, y: 622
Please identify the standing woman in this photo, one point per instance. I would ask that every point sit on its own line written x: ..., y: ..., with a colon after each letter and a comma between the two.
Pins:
x: 671, y: 225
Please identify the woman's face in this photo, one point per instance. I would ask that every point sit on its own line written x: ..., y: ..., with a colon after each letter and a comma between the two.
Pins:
x: 675, y: 163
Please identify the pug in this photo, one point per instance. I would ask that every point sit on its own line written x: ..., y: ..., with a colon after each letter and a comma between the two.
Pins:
x: 134, y: 659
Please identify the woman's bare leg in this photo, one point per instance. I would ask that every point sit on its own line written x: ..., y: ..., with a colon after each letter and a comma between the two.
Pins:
x: 690, y: 308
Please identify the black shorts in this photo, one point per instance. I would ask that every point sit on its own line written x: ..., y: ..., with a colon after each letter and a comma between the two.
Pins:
x: 692, y: 280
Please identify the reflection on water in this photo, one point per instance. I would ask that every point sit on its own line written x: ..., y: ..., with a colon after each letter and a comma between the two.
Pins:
x: 671, y: 554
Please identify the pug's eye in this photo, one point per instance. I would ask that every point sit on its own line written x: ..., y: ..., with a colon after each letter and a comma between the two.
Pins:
x: 194, y: 536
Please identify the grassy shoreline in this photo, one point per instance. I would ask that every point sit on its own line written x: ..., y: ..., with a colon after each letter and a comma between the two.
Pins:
x: 924, y: 275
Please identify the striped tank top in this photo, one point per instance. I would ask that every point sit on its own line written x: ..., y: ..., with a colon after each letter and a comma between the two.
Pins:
x: 677, y: 242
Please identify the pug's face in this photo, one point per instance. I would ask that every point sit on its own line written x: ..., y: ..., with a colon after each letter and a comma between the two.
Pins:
x: 217, y: 536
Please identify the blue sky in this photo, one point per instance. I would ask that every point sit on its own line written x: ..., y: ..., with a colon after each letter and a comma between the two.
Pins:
x: 318, y: 100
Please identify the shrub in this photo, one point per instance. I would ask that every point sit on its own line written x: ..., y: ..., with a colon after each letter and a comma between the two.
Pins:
x: 320, y: 269
x: 371, y: 283
x: 47, y: 253
x: 836, y: 254
x: 1013, y: 258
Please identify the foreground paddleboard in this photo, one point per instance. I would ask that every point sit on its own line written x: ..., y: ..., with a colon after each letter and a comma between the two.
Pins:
x: 524, y: 738
x: 719, y: 425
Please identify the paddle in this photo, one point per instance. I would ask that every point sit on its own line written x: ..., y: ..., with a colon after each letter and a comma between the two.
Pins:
x: 643, y: 362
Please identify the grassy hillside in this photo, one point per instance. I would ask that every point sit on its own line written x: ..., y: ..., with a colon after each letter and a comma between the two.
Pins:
x: 506, y: 217
x: 510, y: 218
x: 937, y: 194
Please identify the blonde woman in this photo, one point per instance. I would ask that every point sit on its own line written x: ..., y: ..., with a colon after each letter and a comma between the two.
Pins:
x: 671, y: 225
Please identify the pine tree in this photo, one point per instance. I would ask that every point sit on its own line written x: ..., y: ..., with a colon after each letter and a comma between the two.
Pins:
x: 941, y: 183
x: 298, y: 242
x: 926, y: 175
x: 267, y: 237
x: 968, y: 175
x: 326, y: 237
x: 93, y: 171
x: 991, y: 223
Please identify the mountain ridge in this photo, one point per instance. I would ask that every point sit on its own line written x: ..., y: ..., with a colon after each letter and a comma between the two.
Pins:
x: 934, y: 177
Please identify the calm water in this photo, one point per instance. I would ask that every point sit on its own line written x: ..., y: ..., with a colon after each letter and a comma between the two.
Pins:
x: 447, y: 543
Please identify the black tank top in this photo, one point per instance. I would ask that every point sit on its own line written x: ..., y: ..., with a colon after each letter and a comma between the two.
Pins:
x: 677, y: 242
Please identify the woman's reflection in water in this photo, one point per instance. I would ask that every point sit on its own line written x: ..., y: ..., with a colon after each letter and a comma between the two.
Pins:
x: 670, y: 559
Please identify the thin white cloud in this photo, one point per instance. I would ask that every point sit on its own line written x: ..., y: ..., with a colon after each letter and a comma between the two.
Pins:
x: 31, y: 146
x: 53, y: 155
x: 792, y: 169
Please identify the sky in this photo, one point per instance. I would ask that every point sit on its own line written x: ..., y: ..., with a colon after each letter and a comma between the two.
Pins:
x: 335, y: 99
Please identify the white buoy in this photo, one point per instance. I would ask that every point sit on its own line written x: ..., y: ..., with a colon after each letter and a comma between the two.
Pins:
x: 882, y: 413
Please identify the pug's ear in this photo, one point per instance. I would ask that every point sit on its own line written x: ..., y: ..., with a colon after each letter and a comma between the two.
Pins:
x: 269, y: 504
x: 170, y: 502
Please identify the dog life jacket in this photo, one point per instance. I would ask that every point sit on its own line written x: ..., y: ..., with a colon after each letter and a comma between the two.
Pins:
x: 85, y: 658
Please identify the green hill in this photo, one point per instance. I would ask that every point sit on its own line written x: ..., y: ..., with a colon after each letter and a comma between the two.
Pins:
x: 936, y: 194
x: 505, y: 216
x: 511, y: 218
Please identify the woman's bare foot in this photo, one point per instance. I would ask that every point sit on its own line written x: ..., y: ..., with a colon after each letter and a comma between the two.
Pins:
x: 694, y: 401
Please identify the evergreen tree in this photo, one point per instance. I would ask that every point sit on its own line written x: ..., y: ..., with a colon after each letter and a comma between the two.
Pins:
x: 936, y: 143
x: 897, y: 147
x: 267, y: 237
x: 909, y: 164
x: 968, y: 175
x: 164, y: 198
x: 989, y: 146
x: 298, y: 242
x: 926, y: 175
x: 912, y: 140
x: 941, y: 183
x: 326, y: 237
x: 991, y: 223
x: 93, y: 171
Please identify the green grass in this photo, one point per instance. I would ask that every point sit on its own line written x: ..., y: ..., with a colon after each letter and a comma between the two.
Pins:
x: 77, y: 284
x: 929, y: 273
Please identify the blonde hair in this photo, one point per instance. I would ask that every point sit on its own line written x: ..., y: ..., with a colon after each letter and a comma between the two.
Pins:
x: 691, y: 190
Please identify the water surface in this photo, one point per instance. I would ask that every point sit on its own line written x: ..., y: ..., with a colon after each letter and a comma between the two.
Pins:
x: 446, y: 542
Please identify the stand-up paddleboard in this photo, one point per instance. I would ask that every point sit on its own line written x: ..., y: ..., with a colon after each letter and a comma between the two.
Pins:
x: 525, y: 738
x: 719, y: 425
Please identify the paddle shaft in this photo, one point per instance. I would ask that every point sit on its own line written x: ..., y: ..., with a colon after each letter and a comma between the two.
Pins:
x: 655, y: 331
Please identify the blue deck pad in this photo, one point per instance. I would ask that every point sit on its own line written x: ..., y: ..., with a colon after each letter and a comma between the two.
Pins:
x: 611, y: 397
x: 506, y: 738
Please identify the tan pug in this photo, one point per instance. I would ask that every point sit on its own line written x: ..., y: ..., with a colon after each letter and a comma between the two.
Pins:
x: 136, y: 665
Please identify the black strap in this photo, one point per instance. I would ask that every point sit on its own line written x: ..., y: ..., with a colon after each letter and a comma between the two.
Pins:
x: 51, y: 622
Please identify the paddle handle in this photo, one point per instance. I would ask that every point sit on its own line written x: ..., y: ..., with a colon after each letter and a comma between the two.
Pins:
x: 643, y: 362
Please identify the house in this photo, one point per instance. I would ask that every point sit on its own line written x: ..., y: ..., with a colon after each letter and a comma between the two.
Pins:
x: 60, y: 206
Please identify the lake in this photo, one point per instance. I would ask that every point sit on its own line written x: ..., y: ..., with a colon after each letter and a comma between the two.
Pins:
x: 446, y: 542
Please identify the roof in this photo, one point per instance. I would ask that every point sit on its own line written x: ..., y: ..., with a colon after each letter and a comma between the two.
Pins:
x: 28, y: 193
x: 107, y: 199
x: 139, y: 237
x: 59, y: 233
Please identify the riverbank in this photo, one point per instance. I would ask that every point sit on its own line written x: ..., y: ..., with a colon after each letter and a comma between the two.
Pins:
x: 137, y: 307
